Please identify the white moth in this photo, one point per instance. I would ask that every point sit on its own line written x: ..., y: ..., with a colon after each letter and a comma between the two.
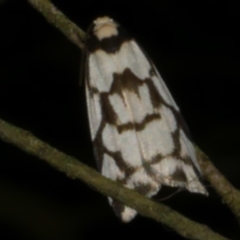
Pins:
x: 137, y: 130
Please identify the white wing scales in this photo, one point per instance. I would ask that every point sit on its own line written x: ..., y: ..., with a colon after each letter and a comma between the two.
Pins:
x: 135, y: 124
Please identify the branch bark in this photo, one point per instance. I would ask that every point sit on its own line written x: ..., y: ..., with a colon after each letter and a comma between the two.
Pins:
x: 60, y: 21
x: 75, y: 169
x: 229, y: 194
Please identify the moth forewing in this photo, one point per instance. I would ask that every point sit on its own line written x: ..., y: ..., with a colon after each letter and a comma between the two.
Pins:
x: 137, y: 130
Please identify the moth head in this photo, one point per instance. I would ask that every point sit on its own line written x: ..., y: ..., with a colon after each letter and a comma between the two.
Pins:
x: 105, y: 27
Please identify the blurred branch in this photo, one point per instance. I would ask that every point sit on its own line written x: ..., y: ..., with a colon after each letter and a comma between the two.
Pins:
x: 75, y: 169
x: 60, y: 21
x: 230, y: 195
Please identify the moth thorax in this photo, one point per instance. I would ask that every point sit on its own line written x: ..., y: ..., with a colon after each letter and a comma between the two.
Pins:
x: 105, y: 27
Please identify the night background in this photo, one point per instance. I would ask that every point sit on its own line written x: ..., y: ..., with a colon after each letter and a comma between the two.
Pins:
x: 196, y: 48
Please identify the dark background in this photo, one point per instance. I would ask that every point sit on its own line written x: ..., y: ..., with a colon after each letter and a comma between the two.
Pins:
x: 195, y: 47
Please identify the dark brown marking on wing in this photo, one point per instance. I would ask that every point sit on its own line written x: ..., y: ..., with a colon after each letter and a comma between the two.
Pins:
x: 126, y: 81
x: 108, y: 113
x: 157, y: 158
x: 138, y: 126
x: 176, y: 141
x: 118, y: 207
x: 110, y: 45
x: 177, y: 149
x: 179, y: 176
x: 156, y: 98
x: 100, y: 150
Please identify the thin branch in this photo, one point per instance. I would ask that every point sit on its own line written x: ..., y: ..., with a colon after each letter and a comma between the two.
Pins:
x: 75, y: 169
x: 230, y: 195
x: 60, y: 21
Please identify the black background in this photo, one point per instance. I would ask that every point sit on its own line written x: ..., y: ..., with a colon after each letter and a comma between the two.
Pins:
x: 195, y: 47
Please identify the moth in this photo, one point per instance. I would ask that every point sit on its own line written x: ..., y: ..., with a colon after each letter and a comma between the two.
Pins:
x: 138, y: 133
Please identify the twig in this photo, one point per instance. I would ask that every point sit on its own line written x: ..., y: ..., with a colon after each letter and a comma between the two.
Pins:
x: 230, y: 195
x: 60, y: 21
x: 75, y: 169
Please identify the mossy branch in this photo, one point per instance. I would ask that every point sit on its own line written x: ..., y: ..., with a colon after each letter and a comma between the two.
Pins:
x: 75, y: 169
x: 60, y: 21
x: 229, y: 194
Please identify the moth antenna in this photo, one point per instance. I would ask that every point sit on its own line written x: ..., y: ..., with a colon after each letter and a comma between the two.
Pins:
x: 171, y: 195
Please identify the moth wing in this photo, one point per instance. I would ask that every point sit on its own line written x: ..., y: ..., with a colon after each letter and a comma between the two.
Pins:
x: 136, y: 128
